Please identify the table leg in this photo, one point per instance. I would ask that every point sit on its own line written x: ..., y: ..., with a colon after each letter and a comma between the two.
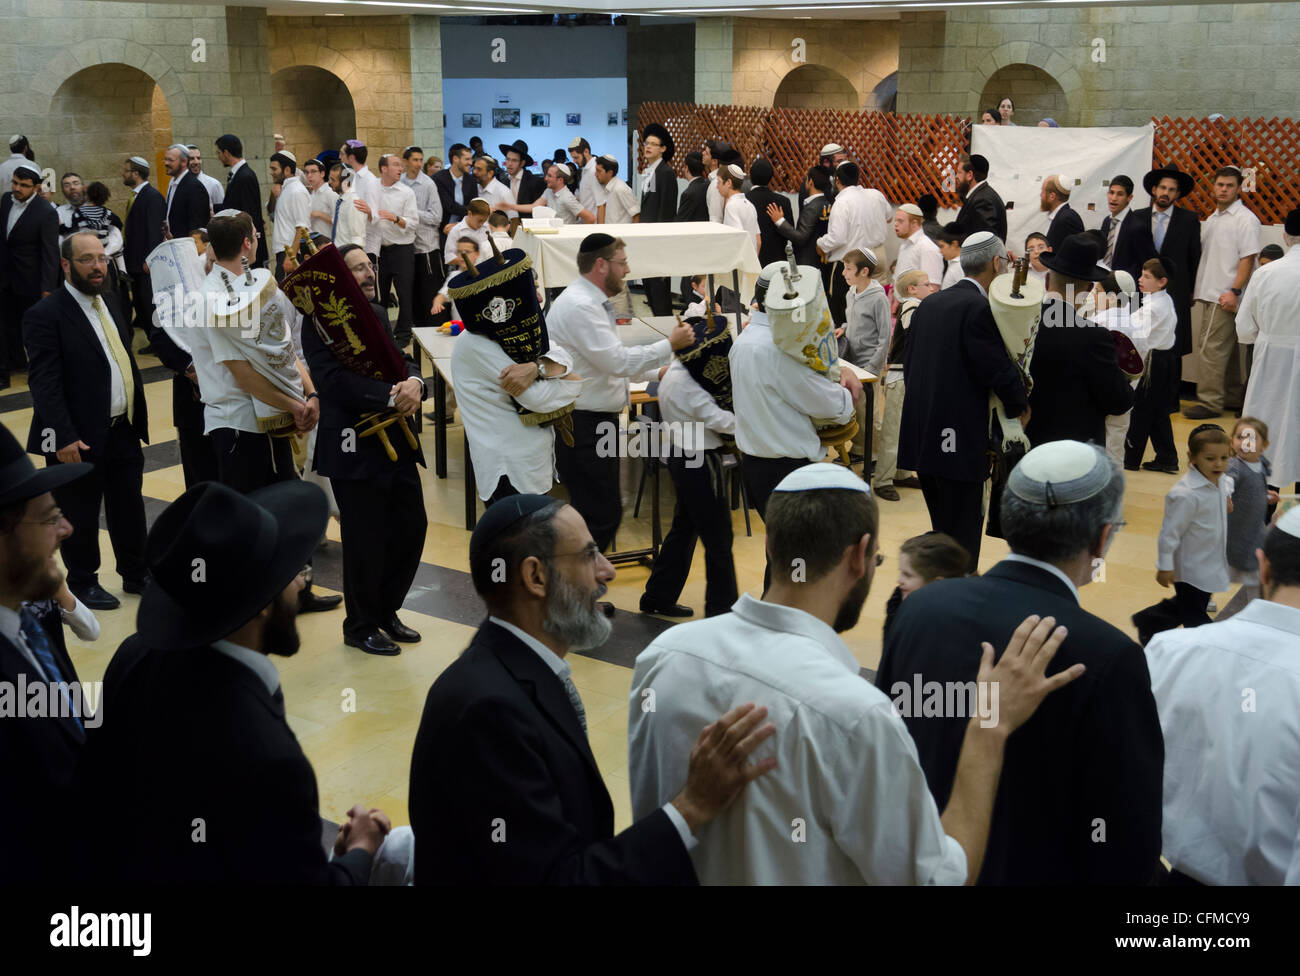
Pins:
x: 735, y: 285
x: 471, y: 489
x: 439, y: 424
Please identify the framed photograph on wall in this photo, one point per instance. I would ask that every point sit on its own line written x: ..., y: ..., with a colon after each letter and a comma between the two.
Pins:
x: 505, y: 118
x: 625, y: 116
x: 540, y: 120
x: 573, y: 118
x: 611, y: 118
x: 471, y: 120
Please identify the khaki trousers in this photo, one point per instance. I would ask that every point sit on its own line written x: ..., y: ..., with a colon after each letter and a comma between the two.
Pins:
x: 887, y: 465
x: 1215, y: 360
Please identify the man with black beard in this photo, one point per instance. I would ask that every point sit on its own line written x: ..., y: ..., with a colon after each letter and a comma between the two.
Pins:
x: 981, y: 207
x: 231, y: 798
x: 504, y: 786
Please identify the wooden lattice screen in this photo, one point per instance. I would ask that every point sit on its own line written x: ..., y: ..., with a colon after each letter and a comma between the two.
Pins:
x: 905, y: 156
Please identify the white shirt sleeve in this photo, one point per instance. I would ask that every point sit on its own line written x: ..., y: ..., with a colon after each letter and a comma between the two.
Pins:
x: 704, y: 408
x: 298, y: 209
x: 81, y: 621
x: 837, y: 230
x: 1180, y: 507
x: 410, y: 211
x: 1247, y: 325
x: 815, y: 395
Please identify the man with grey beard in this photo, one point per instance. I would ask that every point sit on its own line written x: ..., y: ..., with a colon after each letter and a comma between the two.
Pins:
x: 504, y: 786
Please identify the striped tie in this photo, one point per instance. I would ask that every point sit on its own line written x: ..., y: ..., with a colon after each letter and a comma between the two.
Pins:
x: 1110, y: 241
x: 38, y: 642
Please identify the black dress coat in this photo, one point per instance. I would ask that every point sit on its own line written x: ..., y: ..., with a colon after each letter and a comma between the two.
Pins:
x: 244, y: 192
x: 983, y: 209
x: 1066, y: 223
x: 659, y: 204
x: 1079, y: 801
x: 1181, y: 254
x: 191, y: 207
x: 1133, y: 246
x: 773, y: 248
x: 143, y: 231
x: 446, y: 183
x: 500, y: 749
x: 814, y: 218
x: 29, y: 254
x: 694, y: 204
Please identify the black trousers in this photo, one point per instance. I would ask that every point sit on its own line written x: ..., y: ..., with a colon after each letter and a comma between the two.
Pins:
x: 382, y: 523
x: 1155, y: 399
x: 703, y: 512
x: 247, y: 461
x: 428, y: 279
x: 198, y: 456
x: 504, y: 489
x: 117, y: 481
x: 957, y: 508
x: 13, y: 355
x: 837, y: 293
x: 592, y: 480
x: 761, y: 476
x: 659, y: 293
x: 1186, y: 608
x: 141, y: 301
x: 397, y: 272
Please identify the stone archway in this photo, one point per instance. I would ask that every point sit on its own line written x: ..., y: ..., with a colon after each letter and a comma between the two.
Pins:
x: 312, y: 108
x: 884, y: 97
x: 1054, y: 75
x: 1035, y: 93
x: 815, y: 86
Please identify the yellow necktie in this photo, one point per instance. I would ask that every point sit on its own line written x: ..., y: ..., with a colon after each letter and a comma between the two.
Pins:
x: 129, y: 200
x: 119, y: 354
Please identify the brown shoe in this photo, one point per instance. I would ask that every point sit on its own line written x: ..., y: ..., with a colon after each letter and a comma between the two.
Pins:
x: 1199, y: 411
x: 888, y: 492
x: 912, y: 482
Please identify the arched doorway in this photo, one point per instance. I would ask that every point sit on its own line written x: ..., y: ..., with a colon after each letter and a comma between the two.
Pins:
x: 815, y: 86
x: 1036, y: 94
x: 312, y: 108
x: 107, y: 113
x: 884, y: 97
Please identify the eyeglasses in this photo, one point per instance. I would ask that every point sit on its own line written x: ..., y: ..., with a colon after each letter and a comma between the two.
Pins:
x: 54, y: 519
x: 590, y: 551
x: 86, y: 260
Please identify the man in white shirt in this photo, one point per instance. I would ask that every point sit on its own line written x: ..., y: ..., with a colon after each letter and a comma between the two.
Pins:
x: 322, y: 198
x: 349, y: 222
x: 216, y: 192
x: 859, y: 219
x: 292, y: 208
x: 428, y: 269
x: 18, y: 146
x: 490, y: 188
x: 1229, y: 244
x: 737, y: 211
x: 367, y: 187
x: 949, y: 243
x: 617, y: 203
x: 916, y: 251
x: 715, y: 155
x: 584, y: 166
x: 1228, y: 695
x: 399, y: 219
x: 558, y: 197
x: 848, y: 802
x: 581, y: 320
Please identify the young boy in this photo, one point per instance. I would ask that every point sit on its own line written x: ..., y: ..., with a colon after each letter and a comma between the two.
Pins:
x: 1247, y: 478
x: 949, y: 241
x: 911, y: 288
x: 499, y: 229
x: 1156, y: 395
x: 1113, y: 299
x: 865, y: 342
x: 1035, y: 245
x: 1192, y: 556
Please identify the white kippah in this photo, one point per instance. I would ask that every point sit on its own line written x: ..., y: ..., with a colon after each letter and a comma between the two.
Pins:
x: 610, y: 158
x: 140, y: 161
x: 289, y: 156
x: 736, y: 171
x: 14, y: 140
x: 564, y: 168
x: 180, y: 147
x: 823, y: 477
x: 576, y: 143
x: 228, y: 212
x: 984, y: 245
x: 831, y: 148
x: 911, y: 208
x: 1125, y: 281
x: 871, y: 256
x: 1060, y: 473
x: 1290, y: 522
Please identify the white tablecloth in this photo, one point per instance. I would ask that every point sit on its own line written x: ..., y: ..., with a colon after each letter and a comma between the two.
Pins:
x: 653, y: 250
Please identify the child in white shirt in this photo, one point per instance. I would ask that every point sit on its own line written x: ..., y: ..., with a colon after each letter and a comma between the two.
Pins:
x: 1156, y: 322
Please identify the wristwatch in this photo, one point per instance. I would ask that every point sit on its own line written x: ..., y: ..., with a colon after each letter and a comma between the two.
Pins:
x: 313, y: 395
x: 541, y: 370
x: 1235, y: 291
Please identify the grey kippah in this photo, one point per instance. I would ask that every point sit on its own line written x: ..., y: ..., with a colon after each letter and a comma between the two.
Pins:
x: 1060, y: 473
x: 983, y: 245
x: 140, y: 161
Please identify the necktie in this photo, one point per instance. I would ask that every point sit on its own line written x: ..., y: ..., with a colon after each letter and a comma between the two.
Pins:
x: 38, y: 642
x: 129, y: 201
x: 1159, y: 235
x: 1110, y: 241
x: 572, y: 690
x: 119, y: 354
x: 334, y: 230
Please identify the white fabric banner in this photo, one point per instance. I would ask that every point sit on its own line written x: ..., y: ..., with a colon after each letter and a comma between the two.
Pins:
x: 1021, y: 156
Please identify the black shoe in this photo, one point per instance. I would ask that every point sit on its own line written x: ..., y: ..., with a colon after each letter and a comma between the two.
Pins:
x: 4, y: 381
x: 374, y: 643
x: 1162, y: 468
x: 398, y: 631
x: 1199, y: 411
x: 912, y: 482
x: 1132, y: 467
x: 888, y: 492
x: 134, y: 586
x: 1142, y: 623
x: 311, y: 603
x: 96, y: 597
x: 145, y: 350
x: 672, y: 610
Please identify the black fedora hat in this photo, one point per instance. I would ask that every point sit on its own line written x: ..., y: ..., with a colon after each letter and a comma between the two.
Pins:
x: 518, y: 146
x: 1077, y: 258
x: 660, y: 133
x: 1184, y: 180
x: 217, y: 558
x: 19, y: 479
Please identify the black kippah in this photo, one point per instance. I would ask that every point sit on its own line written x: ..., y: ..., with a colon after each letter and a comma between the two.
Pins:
x: 595, y: 242
x: 504, y: 514
x: 1292, y: 225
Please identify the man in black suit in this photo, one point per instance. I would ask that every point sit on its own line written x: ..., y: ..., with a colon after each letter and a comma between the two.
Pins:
x: 456, y: 179
x: 955, y: 357
x: 243, y: 192
x: 1077, y: 379
x: 381, y: 505
x: 29, y: 261
x: 89, y: 405
x: 525, y: 187
x: 694, y: 203
x: 142, y: 233
x: 764, y: 199
x: 1054, y: 200
x: 1128, y: 240
x: 1079, y: 801
x: 1176, y: 239
x: 658, y: 204
x: 40, y: 752
x: 188, y: 203
x: 814, y: 218
x: 200, y: 763
x: 981, y: 207
x: 504, y: 786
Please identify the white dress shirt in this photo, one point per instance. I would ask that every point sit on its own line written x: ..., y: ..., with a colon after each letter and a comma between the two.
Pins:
x: 499, y: 441
x: 1156, y: 321
x: 582, y: 321
x: 323, y: 199
x: 225, y: 404
x: 429, y: 206
x: 292, y: 210
x: 620, y: 203
x: 847, y: 802
x: 352, y: 224
x: 1193, y: 539
x: 740, y: 212
x: 1117, y: 224
x: 1231, y: 789
x: 367, y: 186
x: 260, y: 664
x: 1227, y: 236
x: 682, y: 402
x: 859, y: 218
x: 589, y: 188
x: 775, y: 398
x: 713, y: 197
x: 116, y: 388
x: 400, y: 200
x: 1269, y: 317
x: 216, y: 192
x: 461, y: 230
x: 495, y: 192
x: 953, y: 273
x: 16, y: 209
x: 918, y: 252
x: 564, y: 203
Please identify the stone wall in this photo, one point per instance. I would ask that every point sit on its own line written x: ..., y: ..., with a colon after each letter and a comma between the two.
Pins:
x: 713, y: 60
x: 312, y: 109
x: 426, y: 84
x: 660, y: 64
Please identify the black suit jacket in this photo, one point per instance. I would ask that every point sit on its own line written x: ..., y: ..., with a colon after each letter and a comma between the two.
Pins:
x: 531, y: 188
x: 814, y: 218
x: 187, y: 406
x: 1133, y: 245
x: 451, y: 210
x: 69, y: 376
x: 191, y: 207
x: 344, y: 397
x: 500, y: 750
x: 1181, y: 254
x: 1077, y: 379
x: 955, y: 357
x: 694, y: 202
x: 1091, y: 757
x: 226, y: 757
x: 773, y: 248
x: 1065, y: 223
x: 244, y: 192
x: 984, y: 210
x: 29, y: 254
x: 143, y: 230
x: 659, y: 205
